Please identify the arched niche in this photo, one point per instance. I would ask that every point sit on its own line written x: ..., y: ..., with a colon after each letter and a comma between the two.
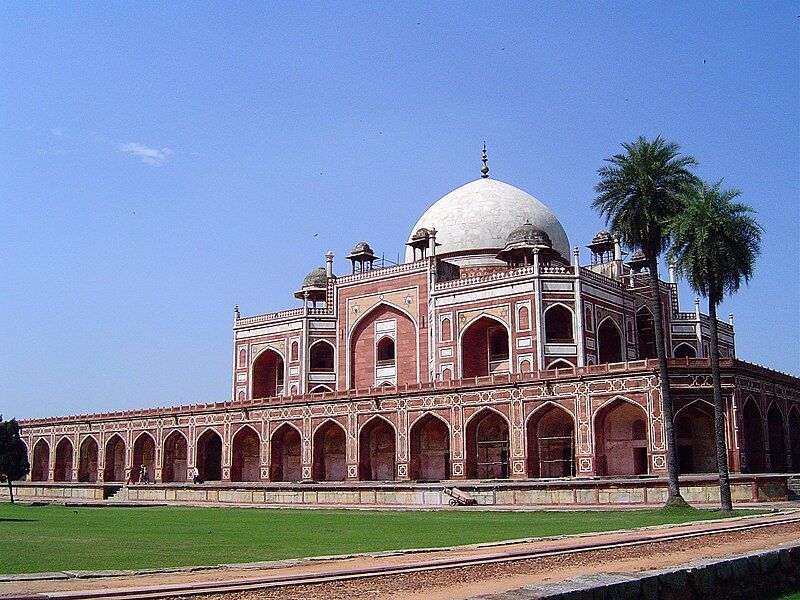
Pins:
x: 209, y: 456
x: 487, y: 446
x: 551, y: 442
x: 330, y: 452
x: 430, y: 449
x: 246, y: 455
x: 485, y: 348
x: 285, y: 454
x: 621, y: 439
x: 88, y: 458
x: 377, y: 451
x: 176, y: 458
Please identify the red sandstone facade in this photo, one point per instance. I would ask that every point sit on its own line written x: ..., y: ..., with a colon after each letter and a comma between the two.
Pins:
x: 476, y: 363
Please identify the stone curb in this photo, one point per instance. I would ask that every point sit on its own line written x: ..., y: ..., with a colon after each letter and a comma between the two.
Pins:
x: 728, y: 578
x: 294, y: 562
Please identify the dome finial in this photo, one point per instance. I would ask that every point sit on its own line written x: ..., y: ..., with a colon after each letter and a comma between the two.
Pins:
x: 485, y: 167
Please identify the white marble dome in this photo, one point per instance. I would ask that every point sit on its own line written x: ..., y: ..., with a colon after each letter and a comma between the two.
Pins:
x: 480, y: 215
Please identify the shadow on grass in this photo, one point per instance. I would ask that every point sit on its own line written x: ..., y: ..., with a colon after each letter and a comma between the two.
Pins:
x: 18, y: 520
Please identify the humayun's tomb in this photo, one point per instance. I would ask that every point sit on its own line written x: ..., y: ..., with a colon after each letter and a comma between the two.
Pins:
x: 493, y: 355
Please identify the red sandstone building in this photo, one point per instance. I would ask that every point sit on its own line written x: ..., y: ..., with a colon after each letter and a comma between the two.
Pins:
x: 490, y: 353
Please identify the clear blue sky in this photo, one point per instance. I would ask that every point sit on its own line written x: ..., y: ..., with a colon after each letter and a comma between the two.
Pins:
x: 160, y: 163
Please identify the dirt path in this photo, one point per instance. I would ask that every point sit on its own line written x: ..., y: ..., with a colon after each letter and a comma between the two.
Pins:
x: 464, y: 581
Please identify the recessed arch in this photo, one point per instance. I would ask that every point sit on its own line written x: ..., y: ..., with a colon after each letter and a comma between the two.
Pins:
x: 64, y: 459
x: 176, y: 457
x: 88, y: 459
x: 364, y: 369
x: 40, y: 469
x: 559, y: 324
x: 209, y: 455
x: 322, y: 356
x: 114, y: 460
x: 794, y: 438
x: 319, y: 389
x: 684, y: 350
x: 329, y: 446
x: 645, y: 333
x: 487, y: 436
x: 430, y: 448
x: 752, y: 438
x: 246, y: 455
x: 621, y: 438
x: 560, y: 364
x: 267, y: 374
x: 609, y: 341
x: 550, y: 430
x: 144, y: 455
x: 484, y: 346
x: 777, y: 439
x: 285, y: 453
x: 694, y: 438
x: 377, y: 450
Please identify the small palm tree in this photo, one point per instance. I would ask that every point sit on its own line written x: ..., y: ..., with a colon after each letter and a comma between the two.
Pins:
x: 715, y: 245
x: 639, y: 193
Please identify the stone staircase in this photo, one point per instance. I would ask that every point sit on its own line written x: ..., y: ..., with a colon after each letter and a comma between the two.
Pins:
x: 793, y: 484
x: 115, y: 493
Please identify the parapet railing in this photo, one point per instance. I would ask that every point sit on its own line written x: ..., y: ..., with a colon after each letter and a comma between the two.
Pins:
x: 381, y: 271
x: 373, y: 393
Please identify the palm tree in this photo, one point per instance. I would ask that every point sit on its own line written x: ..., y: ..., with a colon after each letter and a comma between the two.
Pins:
x: 639, y: 193
x: 715, y: 245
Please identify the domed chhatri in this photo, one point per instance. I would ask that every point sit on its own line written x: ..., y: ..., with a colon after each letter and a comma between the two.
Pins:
x: 317, y: 278
x: 529, y: 234
x: 478, y: 217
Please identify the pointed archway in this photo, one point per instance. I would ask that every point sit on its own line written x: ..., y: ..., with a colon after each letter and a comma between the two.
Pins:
x: 777, y: 439
x: 88, y: 460
x: 114, y: 459
x: 330, y: 452
x: 621, y: 439
x: 551, y: 442
x: 40, y: 470
x: 176, y: 454
x: 64, y: 457
x: 268, y: 374
x: 285, y: 454
x: 485, y: 348
x: 646, y: 333
x: 209, y: 456
x: 246, y: 458
x: 752, y: 433
x: 144, y: 455
x: 487, y: 446
x: 430, y: 449
x: 377, y: 451
x: 794, y: 438
x: 609, y: 342
x: 694, y: 439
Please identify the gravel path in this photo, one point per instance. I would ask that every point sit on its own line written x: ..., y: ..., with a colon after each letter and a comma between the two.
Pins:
x: 467, y: 581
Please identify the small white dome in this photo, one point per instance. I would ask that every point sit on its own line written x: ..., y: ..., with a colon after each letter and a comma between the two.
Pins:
x: 480, y: 215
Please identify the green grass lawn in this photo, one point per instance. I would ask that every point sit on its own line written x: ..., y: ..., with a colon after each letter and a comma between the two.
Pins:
x: 56, y: 538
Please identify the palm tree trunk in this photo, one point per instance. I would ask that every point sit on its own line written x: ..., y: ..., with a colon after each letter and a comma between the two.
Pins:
x: 11, y: 489
x: 719, y: 411
x: 674, y: 497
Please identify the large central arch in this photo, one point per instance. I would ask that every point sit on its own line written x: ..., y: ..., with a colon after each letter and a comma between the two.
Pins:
x: 487, y: 446
x: 621, y: 439
x: 367, y: 369
x: 268, y: 374
x: 87, y: 461
x: 176, y: 455
x: 330, y: 452
x: 430, y: 449
x: 209, y: 456
x: 246, y: 459
x: 285, y: 454
x: 377, y: 451
x: 485, y: 348
x: 551, y: 442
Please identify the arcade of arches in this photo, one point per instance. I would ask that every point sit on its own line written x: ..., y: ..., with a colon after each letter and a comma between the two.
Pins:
x: 620, y: 448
